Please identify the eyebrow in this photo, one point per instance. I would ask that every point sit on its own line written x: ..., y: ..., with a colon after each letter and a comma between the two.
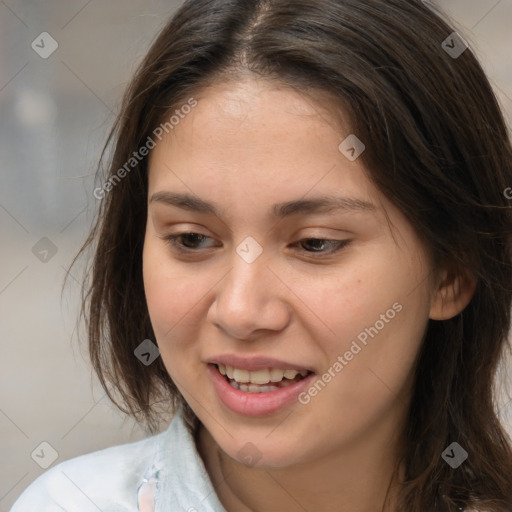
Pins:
x: 322, y: 204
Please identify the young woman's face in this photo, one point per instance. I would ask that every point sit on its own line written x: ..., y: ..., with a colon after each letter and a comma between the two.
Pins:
x: 254, y: 294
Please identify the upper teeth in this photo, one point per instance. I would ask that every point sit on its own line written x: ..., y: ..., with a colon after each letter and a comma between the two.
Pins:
x: 259, y: 376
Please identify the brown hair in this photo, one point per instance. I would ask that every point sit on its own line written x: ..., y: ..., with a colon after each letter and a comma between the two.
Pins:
x: 436, y: 145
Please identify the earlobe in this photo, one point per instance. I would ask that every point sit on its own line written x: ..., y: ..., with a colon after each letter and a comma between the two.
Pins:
x: 452, y: 295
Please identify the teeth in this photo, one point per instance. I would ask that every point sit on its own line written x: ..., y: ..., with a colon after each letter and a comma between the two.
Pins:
x: 252, y: 388
x: 276, y: 375
x: 260, y: 376
x: 241, y: 375
x: 290, y: 374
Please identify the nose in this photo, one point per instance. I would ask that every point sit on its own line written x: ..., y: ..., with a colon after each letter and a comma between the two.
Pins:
x: 251, y: 298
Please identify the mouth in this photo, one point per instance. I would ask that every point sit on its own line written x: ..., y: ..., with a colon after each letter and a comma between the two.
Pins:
x: 257, y: 386
x: 266, y: 380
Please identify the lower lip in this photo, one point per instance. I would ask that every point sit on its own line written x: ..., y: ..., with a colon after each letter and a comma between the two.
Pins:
x: 256, y: 404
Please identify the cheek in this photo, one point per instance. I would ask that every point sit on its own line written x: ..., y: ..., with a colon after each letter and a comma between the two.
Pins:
x: 175, y: 298
x: 352, y: 298
x: 376, y: 315
x: 170, y: 290
x: 168, y: 294
x: 170, y: 298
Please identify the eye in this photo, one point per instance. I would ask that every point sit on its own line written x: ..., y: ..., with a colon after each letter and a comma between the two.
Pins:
x: 188, y: 243
x: 189, y: 238
x: 336, y: 245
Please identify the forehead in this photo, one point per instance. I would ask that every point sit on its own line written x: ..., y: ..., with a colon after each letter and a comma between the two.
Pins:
x: 256, y: 133
x: 235, y: 99
x: 254, y: 149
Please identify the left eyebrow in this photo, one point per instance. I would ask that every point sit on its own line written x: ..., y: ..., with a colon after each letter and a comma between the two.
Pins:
x: 322, y: 204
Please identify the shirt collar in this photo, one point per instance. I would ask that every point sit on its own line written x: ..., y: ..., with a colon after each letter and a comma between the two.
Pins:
x: 182, y: 480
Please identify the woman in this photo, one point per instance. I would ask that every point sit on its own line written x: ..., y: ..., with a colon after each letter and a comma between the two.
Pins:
x: 303, y: 246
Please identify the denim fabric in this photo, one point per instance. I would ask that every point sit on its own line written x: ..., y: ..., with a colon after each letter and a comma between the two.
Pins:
x: 163, y: 473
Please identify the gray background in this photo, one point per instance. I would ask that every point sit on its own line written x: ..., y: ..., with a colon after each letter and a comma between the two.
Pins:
x: 54, y: 115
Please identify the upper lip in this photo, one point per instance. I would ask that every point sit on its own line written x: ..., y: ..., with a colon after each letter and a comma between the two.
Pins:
x: 255, y: 363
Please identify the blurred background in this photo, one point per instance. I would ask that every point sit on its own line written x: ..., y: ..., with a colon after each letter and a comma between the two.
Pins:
x: 63, y: 67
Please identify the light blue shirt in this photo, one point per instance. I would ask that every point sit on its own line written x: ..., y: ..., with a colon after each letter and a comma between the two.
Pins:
x: 163, y: 473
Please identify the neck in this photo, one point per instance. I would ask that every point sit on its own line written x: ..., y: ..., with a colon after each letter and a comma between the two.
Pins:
x: 355, y: 479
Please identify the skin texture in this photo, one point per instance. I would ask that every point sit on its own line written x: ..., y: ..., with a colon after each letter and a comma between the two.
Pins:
x: 245, y: 146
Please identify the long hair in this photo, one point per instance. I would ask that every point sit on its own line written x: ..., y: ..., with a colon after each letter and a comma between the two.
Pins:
x: 437, y: 147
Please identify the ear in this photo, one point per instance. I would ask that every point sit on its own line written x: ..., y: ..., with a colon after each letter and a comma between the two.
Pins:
x: 452, y: 294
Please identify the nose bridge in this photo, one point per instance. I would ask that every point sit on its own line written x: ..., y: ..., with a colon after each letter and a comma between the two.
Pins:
x: 248, y: 298
x: 243, y: 290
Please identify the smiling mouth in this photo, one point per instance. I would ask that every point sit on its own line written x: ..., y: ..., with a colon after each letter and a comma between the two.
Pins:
x: 260, y: 381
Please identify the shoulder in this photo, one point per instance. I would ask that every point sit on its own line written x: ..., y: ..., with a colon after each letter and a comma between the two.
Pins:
x: 103, y: 480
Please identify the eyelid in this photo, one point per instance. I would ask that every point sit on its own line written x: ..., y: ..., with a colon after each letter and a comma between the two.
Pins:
x: 338, y: 244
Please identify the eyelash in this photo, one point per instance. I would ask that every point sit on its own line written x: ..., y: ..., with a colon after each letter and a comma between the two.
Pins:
x: 171, y: 240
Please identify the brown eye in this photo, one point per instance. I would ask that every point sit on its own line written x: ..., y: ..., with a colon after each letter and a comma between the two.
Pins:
x: 189, y: 241
x: 318, y: 243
